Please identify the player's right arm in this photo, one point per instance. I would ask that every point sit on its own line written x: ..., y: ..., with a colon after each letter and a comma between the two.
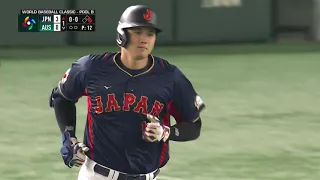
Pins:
x: 64, y: 97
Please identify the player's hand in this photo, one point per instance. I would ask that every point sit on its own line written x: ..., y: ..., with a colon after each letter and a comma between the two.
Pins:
x: 72, y: 151
x: 154, y: 131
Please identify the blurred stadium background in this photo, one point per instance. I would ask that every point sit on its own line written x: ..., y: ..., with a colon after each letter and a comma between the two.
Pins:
x: 255, y: 63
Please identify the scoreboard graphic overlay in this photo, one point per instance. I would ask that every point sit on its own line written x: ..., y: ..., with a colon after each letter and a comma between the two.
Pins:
x: 53, y: 20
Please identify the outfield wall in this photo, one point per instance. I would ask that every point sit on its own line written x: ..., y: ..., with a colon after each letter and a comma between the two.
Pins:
x: 188, y: 21
x: 199, y: 21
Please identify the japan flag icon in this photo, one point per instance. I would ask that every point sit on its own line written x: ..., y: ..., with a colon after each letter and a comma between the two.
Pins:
x: 65, y: 76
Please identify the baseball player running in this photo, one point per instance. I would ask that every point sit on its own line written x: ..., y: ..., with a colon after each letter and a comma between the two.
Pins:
x: 131, y: 95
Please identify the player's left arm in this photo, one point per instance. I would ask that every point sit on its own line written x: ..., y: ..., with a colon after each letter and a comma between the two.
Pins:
x: 185, y: 108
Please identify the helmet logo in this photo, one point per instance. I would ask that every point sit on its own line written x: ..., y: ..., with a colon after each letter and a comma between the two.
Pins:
x: 148, y: 15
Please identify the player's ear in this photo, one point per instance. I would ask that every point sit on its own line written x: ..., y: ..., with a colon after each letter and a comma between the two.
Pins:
x: 127, y: 36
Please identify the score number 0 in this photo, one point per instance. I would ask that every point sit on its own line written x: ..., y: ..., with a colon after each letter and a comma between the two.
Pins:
x: 76, y: 19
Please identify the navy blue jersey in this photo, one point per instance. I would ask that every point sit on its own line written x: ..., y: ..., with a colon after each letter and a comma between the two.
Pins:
x: 118, y: 101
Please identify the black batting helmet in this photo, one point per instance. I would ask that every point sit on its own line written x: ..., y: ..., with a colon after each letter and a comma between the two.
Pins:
x: 135, y: 16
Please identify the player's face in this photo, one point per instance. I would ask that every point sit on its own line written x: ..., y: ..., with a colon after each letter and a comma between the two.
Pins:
x: 142, y: 40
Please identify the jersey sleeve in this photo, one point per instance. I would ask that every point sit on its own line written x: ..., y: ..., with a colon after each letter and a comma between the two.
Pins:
x: 186, y: 104
x: 73, y: 82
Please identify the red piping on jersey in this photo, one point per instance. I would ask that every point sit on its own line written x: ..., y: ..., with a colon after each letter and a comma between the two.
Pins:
x: 104, y: 57
x: 90, y: 128
x: 174, y: 112
x: 162, y: 63
x: 85, y: 92
x: 164, y: 150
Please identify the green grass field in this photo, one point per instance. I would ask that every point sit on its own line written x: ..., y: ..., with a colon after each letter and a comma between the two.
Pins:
x: 261, y: 121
